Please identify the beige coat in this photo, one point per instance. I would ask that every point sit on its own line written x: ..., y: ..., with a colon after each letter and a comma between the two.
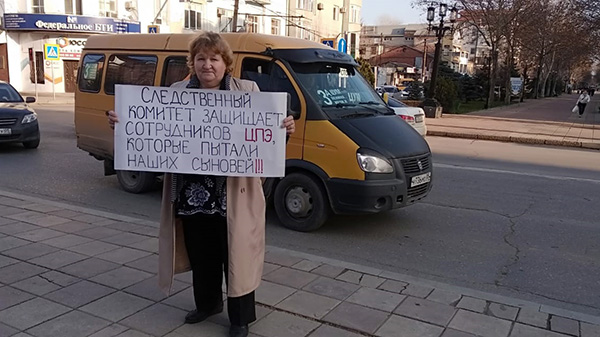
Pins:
x: 245, y: 222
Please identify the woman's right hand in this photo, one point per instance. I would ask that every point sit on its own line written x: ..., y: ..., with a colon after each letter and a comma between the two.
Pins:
x: 112, y: 118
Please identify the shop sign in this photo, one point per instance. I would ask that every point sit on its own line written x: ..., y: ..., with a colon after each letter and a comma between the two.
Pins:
x: 70, y: 48
x: 68, y: 23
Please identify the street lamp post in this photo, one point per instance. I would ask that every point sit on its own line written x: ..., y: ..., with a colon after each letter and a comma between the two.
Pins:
x: 440, y: 30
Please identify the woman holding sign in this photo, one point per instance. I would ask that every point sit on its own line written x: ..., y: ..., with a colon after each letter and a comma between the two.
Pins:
x: 213, y: 224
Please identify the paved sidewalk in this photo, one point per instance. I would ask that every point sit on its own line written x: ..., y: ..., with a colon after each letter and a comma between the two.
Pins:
x: 48, y: 98
x: 68, y: 271
x: 546, y: 121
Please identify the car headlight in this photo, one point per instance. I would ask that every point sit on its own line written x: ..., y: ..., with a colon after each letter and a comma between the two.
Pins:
x: 29, y: 118
x: 373, y: 163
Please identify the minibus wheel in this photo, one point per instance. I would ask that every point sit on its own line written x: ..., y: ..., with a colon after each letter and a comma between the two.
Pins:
x: 136, y: 181
x: 301, y: 203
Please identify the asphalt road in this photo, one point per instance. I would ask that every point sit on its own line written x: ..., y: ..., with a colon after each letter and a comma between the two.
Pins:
x: 506, y: 218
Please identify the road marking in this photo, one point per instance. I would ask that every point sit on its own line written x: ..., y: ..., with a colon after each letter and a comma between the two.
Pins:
x: 481, y: 169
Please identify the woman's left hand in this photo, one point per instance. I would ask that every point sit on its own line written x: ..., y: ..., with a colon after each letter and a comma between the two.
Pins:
x: 289, y: 125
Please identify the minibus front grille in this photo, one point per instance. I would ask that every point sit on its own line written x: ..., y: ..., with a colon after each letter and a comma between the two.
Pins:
x: 416, y: 165
x: 417, y: 191
x: 7, y: 121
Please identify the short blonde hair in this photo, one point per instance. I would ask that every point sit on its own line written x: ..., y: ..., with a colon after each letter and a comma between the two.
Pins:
x: 210, y: 42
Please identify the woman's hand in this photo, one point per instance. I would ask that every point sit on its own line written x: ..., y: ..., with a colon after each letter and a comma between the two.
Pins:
x: 112, y: 118
x: 289, y: 125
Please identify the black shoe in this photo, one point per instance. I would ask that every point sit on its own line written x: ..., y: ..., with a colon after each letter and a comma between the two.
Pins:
x: 196, y: 316
x: 238, y: 331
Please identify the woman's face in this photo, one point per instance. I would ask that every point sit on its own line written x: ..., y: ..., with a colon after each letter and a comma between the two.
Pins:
x: 210, y: 69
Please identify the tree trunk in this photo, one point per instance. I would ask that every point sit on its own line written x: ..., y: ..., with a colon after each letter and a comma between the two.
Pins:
x: 493, y: 65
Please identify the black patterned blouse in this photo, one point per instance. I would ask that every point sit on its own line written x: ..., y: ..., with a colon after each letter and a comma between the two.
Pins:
x: 202, y: 195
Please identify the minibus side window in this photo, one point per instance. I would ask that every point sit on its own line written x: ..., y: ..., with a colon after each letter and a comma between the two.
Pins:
x: 174, y: 70
x: 90, y: 76
x: 270, y: 77
x: 129, y: 69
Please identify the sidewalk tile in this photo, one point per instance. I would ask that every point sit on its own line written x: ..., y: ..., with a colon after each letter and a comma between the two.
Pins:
x: 331, y: 288
x: 306, y: 265
x: 281, y: 259
x: 290, y: 277
x: 30, y: 251
x: 503, y: 311
x: 350, y: 276
x: 156, y: 320
x: 9, y: 201
x: 401, y: 326
x: 65, y: 213
x: 417, y: 290
x: 58, y: 259
x: 99, y: 233
x: 123, y: 255
x: 19, y: 271
x: 521, y: 330
x: 11, y: 296
x: 308, y: 304
x: 149, y: 289
x: 42, y: 208
x: 329, y: 331
x: 39, y: 234
x: 89, y: 268
x: 328, y: 270
x: 72, y: 324
x: 6, y: 261
x: 16, y: 227
x: 89, y: 218
x: 376, y: 299
x: 269, y: 267
x: 146, y: 231
x: 116, y: 306
x: 78, y: 294
x: 456, y: 333
x: 73, y: 227
x: 93, y: 248
x: 393, y: 286
x: 110, y: 331
x: 272, y: 293
x: 203, y: 329
x: 47, y: 220
x: 371, y: 281
x: 10, y: 242
x: 36, y: 285
x: 564, y: 325
x: 183, y: 300
x: 587, y: 330
x: 121, y: 277
x: 33, y: 312
x: 148, y: 263
x: 357, y: 317
x: 425, y: 310
x: 533, y: 317
x: 5, y: 330
x: 66, y: 241
x: 444, y: 296
x: 125, y: 239
x: 59, y: 278
x: 278, y: 324
x: 472, y: 304
x: 479, y: 324
x: 149, y: 245
x: 133, y: 333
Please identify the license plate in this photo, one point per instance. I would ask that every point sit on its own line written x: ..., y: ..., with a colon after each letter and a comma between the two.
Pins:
x: 5, y: 131
x: 420, y: 179
x: 419, y: 118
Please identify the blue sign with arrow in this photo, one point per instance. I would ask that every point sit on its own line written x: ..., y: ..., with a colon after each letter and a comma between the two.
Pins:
x: 342, y: 46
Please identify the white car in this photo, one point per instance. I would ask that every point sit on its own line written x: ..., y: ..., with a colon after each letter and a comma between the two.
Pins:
x: 411, y: 115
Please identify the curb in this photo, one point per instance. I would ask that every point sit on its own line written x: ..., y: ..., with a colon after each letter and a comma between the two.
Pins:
x: 515, y: 139
x: 346, y: 265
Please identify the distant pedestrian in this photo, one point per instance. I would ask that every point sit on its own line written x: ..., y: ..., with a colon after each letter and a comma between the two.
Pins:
x: 582, y: 101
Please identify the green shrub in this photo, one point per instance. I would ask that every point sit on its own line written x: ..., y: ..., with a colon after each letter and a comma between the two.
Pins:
x: 447, y: 94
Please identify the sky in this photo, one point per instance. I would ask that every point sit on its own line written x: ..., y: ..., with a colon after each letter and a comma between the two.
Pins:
x: 396, y: 11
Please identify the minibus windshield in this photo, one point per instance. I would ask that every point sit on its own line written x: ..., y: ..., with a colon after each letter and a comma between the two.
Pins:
x: 340, y: 90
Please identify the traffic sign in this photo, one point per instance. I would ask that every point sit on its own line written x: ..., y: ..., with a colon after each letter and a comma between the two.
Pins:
x: 51, y: 52
x: 153, y: 29
x: 342, y: 46
x: 328, y: 42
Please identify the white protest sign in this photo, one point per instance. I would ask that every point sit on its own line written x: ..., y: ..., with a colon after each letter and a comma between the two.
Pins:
x: 211, y: 132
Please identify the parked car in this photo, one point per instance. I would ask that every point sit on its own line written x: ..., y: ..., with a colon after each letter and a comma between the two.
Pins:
x: 392, y: 91
x: 414, y: 116
x: 18, y: 121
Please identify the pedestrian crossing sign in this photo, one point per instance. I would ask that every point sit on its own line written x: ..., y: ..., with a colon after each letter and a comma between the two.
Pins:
x: 51, y: 52
x: 153, y: 29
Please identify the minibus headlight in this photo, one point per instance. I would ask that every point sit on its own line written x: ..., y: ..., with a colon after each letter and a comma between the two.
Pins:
x: 29, y: 118
x: 373, y: 163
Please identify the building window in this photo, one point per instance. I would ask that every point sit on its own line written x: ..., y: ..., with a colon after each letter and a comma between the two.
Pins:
x: 37, y: 6
x: 307, y: 5
x: 354, y: 14
x: 251, y: 24
x: 305, y: 30
x: 73, y: 7
x: 37, y: 72
x: 225, y: 20
x: 193, y: 19
x: 275, y: 26
x: 108, y: 8
x: 336, y: 13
